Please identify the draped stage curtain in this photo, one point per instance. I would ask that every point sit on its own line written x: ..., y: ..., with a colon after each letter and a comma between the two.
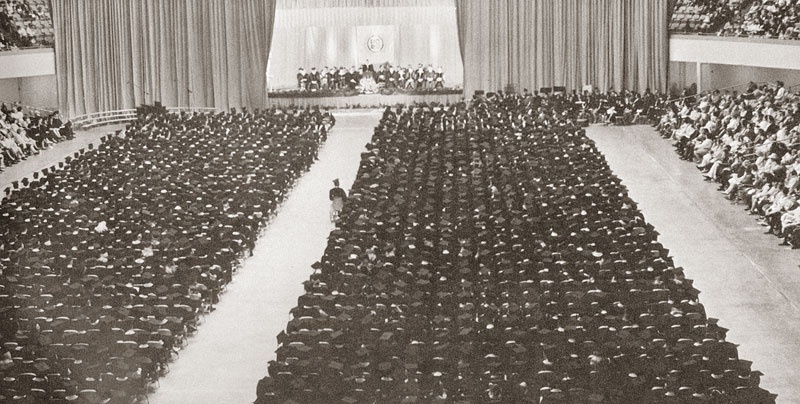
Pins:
x: 118, y: 54
x: 286, y: 4
x: 543, y: 43
x: 319, y: 33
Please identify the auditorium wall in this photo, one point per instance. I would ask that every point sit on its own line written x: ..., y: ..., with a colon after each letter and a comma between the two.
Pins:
x: 39, y: 91
x: 721, y: 62
x: 36, y: 91
x: 681, y: 75
x: 723, y: 76
x: 9, y: 90
x: 27, y: 62
x: 307, y: 36
x: 771, y: 53
x: 28, y: 77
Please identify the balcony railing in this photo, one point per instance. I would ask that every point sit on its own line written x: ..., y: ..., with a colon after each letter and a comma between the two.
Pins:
x: 124, y: 116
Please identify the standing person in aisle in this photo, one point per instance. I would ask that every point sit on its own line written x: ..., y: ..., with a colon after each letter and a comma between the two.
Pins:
x: 337, y: 196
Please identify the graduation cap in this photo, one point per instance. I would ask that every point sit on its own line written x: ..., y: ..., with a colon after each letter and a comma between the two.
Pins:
x: 519, y: 349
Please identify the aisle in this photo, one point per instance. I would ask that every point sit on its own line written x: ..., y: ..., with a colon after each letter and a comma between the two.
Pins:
x: 747, y: 280
x: 224, y: 360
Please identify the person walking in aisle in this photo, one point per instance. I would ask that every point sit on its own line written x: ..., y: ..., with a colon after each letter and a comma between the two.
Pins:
x: 337, y: 196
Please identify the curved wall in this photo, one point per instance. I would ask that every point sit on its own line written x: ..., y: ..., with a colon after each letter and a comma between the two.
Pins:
x: 28, y: 77
x: 719, y: 62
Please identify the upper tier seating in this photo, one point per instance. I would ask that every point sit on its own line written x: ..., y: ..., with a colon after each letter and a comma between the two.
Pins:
x: 25, y: 24
x: 769, y: 18
x: 757, y: 18
x: 703, y: 16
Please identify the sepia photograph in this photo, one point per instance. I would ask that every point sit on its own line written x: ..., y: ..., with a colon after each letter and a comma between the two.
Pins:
x: 399, y: 201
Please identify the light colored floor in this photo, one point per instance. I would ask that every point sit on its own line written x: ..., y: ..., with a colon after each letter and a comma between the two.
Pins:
x: 225, y: 359
x: 747, y: 280
x: 49, y: 157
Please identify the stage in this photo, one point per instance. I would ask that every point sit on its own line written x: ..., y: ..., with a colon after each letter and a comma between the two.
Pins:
x: 364, y: 100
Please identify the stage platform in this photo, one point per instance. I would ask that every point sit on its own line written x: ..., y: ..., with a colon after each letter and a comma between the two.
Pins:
x: 364, y: 100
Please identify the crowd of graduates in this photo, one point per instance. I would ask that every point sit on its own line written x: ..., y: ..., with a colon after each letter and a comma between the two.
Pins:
x: 23, y: 135
x: 487, y: 254
x: 109, y: 261
x: 749, y: 144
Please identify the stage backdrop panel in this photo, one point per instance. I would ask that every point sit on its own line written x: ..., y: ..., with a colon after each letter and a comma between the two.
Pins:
x: 331, y: 33
x: 382, y: 38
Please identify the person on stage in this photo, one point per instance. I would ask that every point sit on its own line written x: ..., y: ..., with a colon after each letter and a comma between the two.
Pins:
x: 337, y: 196
x: 430, y: 76
x: 410, y: 78
x: 420, y: 76
x: 313, y: 80
x: 344, y: 78
x: 439, y: 78
x: 324, y: 79
x: 302, y: 79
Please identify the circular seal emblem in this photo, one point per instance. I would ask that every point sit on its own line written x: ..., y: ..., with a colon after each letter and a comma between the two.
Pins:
x: 375, y: 43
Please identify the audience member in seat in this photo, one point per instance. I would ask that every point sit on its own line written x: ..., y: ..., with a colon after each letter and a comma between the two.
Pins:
x: 762, y: 18
x: 23, y: 135
x: 754, y: 152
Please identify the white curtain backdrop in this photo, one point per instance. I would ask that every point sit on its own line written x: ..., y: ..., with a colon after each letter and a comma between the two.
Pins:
x: 336, y: 35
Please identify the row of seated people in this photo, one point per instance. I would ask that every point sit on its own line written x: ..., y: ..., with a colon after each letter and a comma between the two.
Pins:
x: 22, y: 136
x: 109, y: 262
x: 368, y: 77
x: 593, y: 106
x: 487, y: 254
x: 749, y: 144
x: 768, y: 18
x: 611, y: 108
x: 25, y: 23
x: 624, y: 107
x: 703, y: 16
